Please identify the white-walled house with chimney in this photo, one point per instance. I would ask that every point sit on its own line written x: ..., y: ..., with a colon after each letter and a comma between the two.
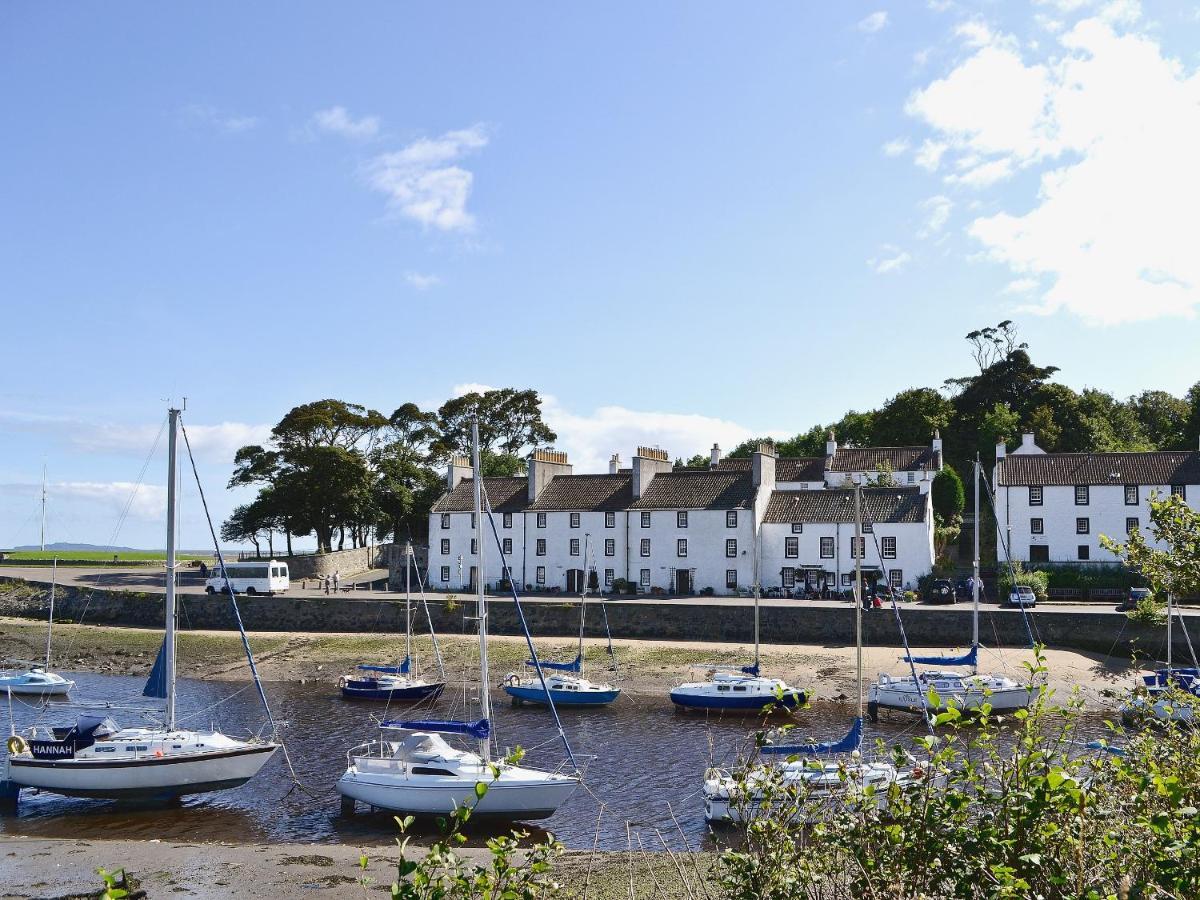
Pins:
x: 1053, y: 507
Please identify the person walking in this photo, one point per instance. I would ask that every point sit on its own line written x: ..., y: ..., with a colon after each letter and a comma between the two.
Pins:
x: 337, y: 581
x: 325, y: 581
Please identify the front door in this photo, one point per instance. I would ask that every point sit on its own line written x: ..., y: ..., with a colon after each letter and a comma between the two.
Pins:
x: 683, y: 581
x: 471, y: 583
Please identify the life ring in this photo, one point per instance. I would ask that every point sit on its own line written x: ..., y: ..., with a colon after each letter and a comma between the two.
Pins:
x: 17, y: 745
x: 512, y: 679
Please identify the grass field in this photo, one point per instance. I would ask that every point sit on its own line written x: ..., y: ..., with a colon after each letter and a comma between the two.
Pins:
x: 100, y: 555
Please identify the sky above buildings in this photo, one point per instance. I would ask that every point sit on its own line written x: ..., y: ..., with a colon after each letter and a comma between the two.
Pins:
x: 682, y: 223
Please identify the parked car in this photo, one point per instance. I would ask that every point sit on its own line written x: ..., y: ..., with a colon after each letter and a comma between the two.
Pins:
x: 962, y: 589
x: 1022, y: 595
x: 940, y: 591
x: 1136, y: 595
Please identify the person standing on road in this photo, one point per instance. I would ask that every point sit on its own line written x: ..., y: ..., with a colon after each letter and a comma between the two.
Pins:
x: 325, y: 581
x: 337, y: 581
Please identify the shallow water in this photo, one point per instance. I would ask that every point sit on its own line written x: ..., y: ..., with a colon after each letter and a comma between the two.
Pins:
x: 645, y: 762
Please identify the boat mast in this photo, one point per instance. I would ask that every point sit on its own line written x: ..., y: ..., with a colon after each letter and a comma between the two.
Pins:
x: 172, y: 502
x: 858, y: 607
x: 43, y: 508
x: 50, y: 624
x: 408, y: 559
x: 583, y: 599
x: 1170, y: 604
x: 975, y: 576
x: 757, y: 579
x: 485, y: 700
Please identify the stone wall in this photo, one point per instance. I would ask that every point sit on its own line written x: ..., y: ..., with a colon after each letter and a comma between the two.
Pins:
x: 806, y: 622
x: 345, y: 562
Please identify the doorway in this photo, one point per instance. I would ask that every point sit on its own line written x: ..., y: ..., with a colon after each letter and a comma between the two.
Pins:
x: 683, y: 581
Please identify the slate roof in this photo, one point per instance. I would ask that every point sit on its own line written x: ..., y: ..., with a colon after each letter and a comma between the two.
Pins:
x: 800, y: 468
x: 892, y: 505
x: 714, y: 489
x: 868, y: 459
x: 505, y: 494
x: 586, y: 493
x: 1154, y: 468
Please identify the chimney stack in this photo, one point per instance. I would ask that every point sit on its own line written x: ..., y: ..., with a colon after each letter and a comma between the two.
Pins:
x: 762, y: 466
x: 1001, y: 449
x: 715, y: 456
x: 544, y: 465
x: 831, y: 444
x: 648, y: 462
x: 614, y: 464
x: 459, y: 468
x: 937, y: 440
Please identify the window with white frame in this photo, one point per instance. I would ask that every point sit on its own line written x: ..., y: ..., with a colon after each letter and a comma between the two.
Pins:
x: 887, y: 547
x: 644, y: 579
x: 645, y: 547
x: 1082, y: 526
x: 788, y: 576
x: 826, y: 548
x: 912, y: 477
x: 540, y: 547
x: 1131, y: 525
x: 896, y: 578
x: 1082, y: 495
x: 1131, y: 495
x: 508, y: 546
x: 645, y: 519
x: 541, y: 575
x: 731, y: 579
x: 1179, y: 490
x: 681, y: 519
x: 791, y: 548
x: 1037, y: 526
x: 797, y: 528
x: 731, y: 518
x: 731, y: 547
x: 574, y: 520
x: 1035, y: 495
x: 507, y: 521
x: 445, y: 546
x: 610, y: 576
x: 846, y: 579
x: 610, y: 547
x: 681, y: 547
x: 445, y: 573
x: 610, y: 520
x: 574, y: 548
x: 858, y: 548
x: 541, y: 520
x: 867, y: 527
x: 445, y: 520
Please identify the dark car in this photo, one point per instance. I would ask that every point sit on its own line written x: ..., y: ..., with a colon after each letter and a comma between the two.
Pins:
x: 1136, y: 595
x: 940, y: 591
x: 962, y: 589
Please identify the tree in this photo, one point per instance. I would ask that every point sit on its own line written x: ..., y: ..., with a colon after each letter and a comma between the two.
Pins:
x: 245, y: 523
x: 510, y: 421
x: 999, y: 424
x: 699, y: 461
x: 1163, y: 419
x: 1174, y: 569
x: 910, y: 418
x: 854, y: 429
x: 992, y: 344
x: 1191, y: 432
x: 949, y: 497
x: 326, y: 423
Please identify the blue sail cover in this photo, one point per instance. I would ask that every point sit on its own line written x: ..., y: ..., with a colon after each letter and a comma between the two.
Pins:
x: 481, y: 729
x: 970, y: 658
x: 156, y: 684
x: 575, y: 665
x: 851, y: 742
x: 751, y: 670
x: 401, y: 669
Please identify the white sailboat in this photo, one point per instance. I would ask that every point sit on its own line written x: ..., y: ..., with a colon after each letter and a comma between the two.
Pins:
x: 413, y: 769
x: 966, y: 692
x: 39, y: 681
x: 827, y: 772
x: 96, y: 758
x: 1168, y: 695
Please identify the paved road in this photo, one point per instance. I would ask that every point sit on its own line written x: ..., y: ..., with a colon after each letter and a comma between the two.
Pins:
x: 150, y: 579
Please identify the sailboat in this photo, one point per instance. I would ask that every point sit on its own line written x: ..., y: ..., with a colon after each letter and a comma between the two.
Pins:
x: 825, y: 771
x: 412, y: 768
x: 966, y: 692
x: 1167, y: 695
x: 566, y: 679
x: 396, y: 683
x: 39, y: 680
x: 739, y: 688
x: 97, y: 758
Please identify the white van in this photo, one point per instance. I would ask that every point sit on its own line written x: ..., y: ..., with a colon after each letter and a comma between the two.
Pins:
x: 251, y: 577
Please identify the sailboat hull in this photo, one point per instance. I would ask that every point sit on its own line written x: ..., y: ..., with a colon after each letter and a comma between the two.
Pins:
x: 27, y: 685
x: 967, y: 693
x: 527, y: 798
x: 145, y: 778
x: 562, y: 698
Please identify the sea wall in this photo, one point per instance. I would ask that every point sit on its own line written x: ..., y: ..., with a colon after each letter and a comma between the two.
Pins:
x: 344, y: 562
x: 683, y: 620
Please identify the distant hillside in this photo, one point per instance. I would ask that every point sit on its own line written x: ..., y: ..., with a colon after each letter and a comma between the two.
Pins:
x: 60, y: 546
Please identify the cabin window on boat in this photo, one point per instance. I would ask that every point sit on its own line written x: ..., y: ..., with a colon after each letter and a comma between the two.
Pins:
x: 446, y: 520
x: 1131, y: 495
x: 681, y: 547
x: 645, y: 519
x: 1035, y: 495
x: 681, y: 519
x: 826, y: 548
x: 574, y: 546
x: 645, y: 546
x: 1037, y: 526
x: 610, y: 520
x: 445, y: 546
x: 610, y: 547
x: 722, y: 687
x: 645, y: 578
x: 541, y: 574
x: 508, y: 520
x: 731, y: 579
x: 541, y: 547
x: 731, y: 547
x: 574, y: 520
x: 739, y: 687
x: 791, y: 548
x: 428, y: 770
x: 445, y: 573
x: 609, y: 577
x: 731, y: 518
x: 888, y: 547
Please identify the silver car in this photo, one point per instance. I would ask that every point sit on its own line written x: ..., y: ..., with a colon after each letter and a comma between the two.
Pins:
x: 1022, y: 595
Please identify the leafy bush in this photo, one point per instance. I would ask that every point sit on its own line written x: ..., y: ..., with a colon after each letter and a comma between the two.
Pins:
x: 948, y: 495
x: 1039, y: 581
x: 1148, y: 611
x: 1093, y: 575
x: 706, y: 592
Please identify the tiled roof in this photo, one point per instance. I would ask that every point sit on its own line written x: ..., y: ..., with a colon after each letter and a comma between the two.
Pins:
x: 878, y: 505
x: 734, y: 464
x: 868, y: 459
x: 505, y: 495
x: 800, y: 468
x: 585, y: 493
x: 1156, y: 468
x: 698, y: 490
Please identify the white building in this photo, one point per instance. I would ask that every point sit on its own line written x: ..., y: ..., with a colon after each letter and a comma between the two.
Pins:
x: 687, y: 530
x: 1053, y: 507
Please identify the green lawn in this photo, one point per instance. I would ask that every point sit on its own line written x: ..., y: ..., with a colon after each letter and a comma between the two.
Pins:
x: 100, y: 555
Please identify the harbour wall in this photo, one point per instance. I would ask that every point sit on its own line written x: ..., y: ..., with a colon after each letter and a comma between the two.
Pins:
x: 804, y: 622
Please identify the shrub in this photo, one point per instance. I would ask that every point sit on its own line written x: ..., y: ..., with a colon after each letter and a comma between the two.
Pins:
x: 706, y: 592
x: 948, y: 495
x: 1039, y: 581
x: 1093, y: 575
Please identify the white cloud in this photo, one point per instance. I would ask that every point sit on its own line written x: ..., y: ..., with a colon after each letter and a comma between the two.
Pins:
x: 213, y: 443
x: 937, y: 211
x: 873, y: 23
x: 974, y: 34
x: 929, y: 155
x: 420, y: 281
x: 337, y: 120
x: 202, y: 114
x: 147, y: 502
x: 470, y: 387
x: 1121, y: 12
x: 896, y: 147
x: 423, y: 183
x: 889, y: 259
x: 1113, y: 125
x: 921, y: 57
x: 1021, y: 286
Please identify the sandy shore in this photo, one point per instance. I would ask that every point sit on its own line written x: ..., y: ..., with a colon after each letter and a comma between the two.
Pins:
x: 644, y: 666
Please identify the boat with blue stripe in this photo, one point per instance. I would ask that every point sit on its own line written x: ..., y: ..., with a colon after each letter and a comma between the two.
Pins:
x: 738, y: 688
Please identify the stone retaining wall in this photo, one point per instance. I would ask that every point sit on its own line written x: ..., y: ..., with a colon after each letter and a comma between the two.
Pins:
x: 806, y: 622
x: 345, y: 562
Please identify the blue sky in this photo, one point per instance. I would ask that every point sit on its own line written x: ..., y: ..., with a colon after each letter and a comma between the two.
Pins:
x: 681, y: 222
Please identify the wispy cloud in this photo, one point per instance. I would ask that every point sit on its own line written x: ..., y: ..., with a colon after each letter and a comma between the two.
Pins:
x: 889, y: 259
x: 424, y: 182
x: 338, y: 121
x: 896, y: 147
x: 873, y: 23
x: 420, y: 281
x: 203, y: 115
x: 937, y: 211
x: 147, y: 502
